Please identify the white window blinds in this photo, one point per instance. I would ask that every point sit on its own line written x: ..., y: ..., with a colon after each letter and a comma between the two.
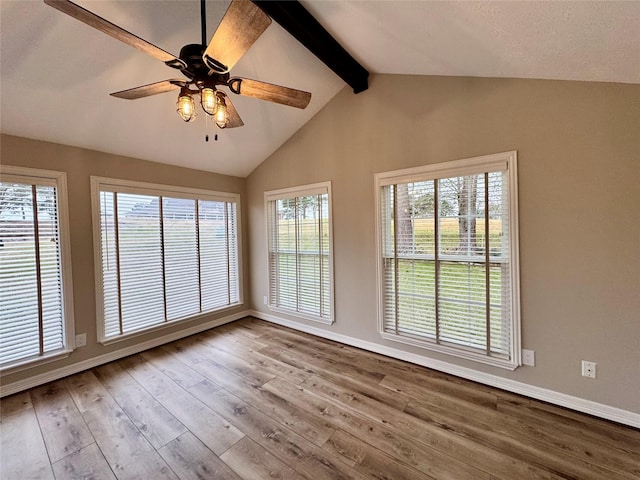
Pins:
x: 32, y: 303
x: 447, y: 263
x: 165, y: 257
x: 300, y: 265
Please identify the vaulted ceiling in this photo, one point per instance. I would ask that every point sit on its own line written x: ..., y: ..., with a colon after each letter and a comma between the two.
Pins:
x: 57, y: 73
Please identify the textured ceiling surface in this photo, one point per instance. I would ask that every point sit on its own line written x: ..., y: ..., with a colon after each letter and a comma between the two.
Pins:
x: 56, y: 73
x: 591, y: 41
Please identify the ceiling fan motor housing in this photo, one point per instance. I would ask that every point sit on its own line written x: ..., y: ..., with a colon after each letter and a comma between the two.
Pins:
x: 196, y: 68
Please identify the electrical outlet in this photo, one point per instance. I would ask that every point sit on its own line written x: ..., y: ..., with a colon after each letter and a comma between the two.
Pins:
x: 528, y: 358
x: 588, y: 369
x: 81, y: 340
x: 266, y: 300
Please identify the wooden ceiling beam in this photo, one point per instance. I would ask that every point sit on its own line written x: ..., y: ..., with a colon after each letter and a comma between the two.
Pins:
x: 296, y: 20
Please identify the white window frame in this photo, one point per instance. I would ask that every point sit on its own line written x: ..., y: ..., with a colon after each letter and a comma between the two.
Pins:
x: 291, y: 193
x: 59, y: 180
x: 476, y: 165
x: 99, y: 184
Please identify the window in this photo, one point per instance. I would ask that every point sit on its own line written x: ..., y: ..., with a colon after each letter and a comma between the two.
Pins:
x: 36, y: 318
x: 163, y: 254
x: 448, y: 245
x: 300, y: 261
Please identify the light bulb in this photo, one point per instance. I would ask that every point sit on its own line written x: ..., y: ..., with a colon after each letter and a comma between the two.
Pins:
x: 186, y: 107
x: 221, y: 116
x: 208, y: 100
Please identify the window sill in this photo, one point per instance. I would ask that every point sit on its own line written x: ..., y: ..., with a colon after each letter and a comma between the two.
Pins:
x: 303, y: 316
x: 21, y: 365
x: 164, y: 326
x: 453, y: 351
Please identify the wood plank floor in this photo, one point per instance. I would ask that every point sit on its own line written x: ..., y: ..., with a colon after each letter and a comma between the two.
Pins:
x: 252, y: 400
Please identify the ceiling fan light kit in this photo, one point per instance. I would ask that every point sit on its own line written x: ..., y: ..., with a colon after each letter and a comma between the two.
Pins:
x: 205, y: 67
x: 212, y: 101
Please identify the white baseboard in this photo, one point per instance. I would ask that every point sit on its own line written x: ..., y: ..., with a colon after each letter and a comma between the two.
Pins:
x: 62, y: 372
x: 575, y: 403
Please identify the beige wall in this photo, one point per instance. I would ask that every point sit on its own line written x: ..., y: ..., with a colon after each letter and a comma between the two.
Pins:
x: 579, y: 165
x: 79, y: 164
x: 579, y: 175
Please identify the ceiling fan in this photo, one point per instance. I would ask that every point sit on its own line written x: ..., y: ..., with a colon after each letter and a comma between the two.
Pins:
x: 205, y: 67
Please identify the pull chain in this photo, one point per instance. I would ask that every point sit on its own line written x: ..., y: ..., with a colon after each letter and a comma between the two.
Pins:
x: 206, y: 127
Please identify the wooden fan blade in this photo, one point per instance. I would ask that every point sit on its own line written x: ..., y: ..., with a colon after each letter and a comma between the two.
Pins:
x: 99, y: 23
x: 232, y: 114
x: 150, y: 89
x: 269, y: 92
x: 240, y: 27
